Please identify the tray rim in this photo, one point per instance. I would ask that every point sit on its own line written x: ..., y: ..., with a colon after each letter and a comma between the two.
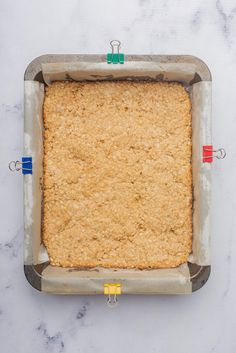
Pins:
x: 199, y: 275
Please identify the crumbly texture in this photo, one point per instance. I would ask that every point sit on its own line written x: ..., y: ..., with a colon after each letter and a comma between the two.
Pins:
x: 117, y: 174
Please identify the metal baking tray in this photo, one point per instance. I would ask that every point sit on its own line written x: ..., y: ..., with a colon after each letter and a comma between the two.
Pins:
x: 196, y: 77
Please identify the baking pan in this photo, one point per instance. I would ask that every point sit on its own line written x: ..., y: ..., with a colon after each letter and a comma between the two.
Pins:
x: 186, y: 278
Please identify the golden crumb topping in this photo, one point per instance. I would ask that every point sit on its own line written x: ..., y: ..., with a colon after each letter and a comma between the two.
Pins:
x: 117, y: 174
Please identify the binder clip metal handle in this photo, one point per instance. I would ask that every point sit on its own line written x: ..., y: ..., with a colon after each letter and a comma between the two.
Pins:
x: 115, y: 46
x: 15, y: 166
x: 112, y: 300
x: 221, y: 153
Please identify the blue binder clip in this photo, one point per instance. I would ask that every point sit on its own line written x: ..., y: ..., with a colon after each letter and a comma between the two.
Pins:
x: 27, y: 165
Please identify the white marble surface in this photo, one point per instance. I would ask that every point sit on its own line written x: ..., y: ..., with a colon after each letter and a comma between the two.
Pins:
x: 31, y: 321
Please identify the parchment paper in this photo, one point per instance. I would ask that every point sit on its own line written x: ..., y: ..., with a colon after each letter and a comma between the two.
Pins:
x: 79, y: 71
x: 162, y: 281
x: 201, y: 127
x: 33, y: 143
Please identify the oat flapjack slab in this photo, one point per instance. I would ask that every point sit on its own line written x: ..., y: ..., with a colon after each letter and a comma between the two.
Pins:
x: 117, y: 174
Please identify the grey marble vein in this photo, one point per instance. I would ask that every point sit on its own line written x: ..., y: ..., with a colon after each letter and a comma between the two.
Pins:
x: 82, y: 312
x: 14, y: 245
x: 225, y: 19
x: 7, y: 108
x: 196, y: 20
x: 52, y: 343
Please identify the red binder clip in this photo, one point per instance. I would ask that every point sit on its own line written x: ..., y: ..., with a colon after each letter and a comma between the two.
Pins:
x: 209, y: 153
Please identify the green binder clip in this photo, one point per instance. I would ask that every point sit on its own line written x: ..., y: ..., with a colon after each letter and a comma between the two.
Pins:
x: 115, y: 57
